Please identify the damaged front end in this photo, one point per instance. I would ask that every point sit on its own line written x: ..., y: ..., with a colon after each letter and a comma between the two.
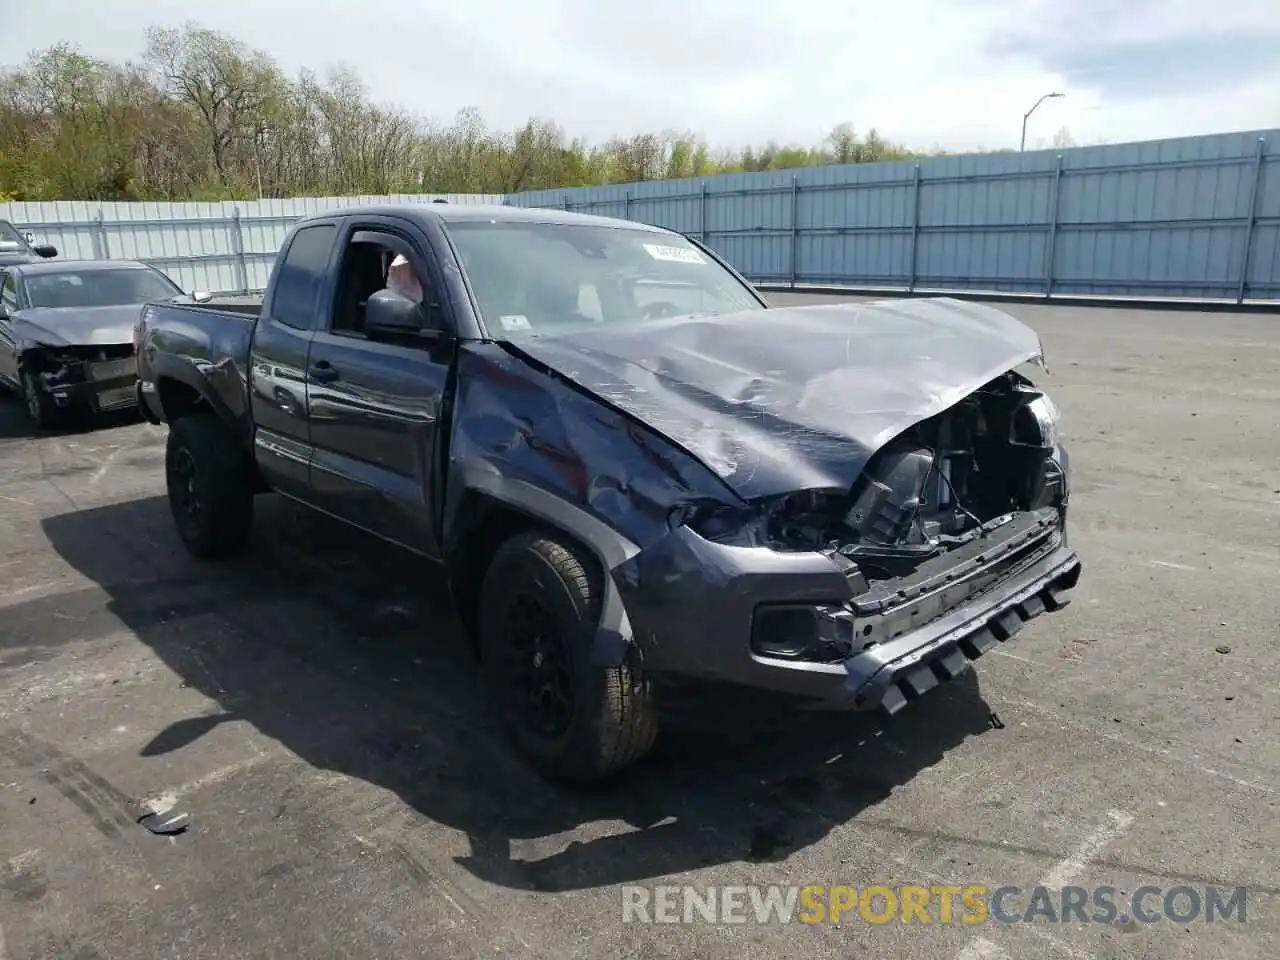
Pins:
x: 951, y: 539
x: 97, y: 379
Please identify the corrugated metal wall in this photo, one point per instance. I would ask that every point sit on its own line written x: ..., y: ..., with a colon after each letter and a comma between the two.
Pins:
x: 224, y: 247
x: 1196, y: 217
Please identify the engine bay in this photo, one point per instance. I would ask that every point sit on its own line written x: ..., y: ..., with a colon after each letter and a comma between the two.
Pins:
x: 935, y: 487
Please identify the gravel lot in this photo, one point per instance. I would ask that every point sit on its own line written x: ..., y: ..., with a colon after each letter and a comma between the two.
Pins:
x: 312, y: 708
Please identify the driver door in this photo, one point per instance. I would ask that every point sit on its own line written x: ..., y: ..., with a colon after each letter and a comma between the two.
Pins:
x: 374, y: 401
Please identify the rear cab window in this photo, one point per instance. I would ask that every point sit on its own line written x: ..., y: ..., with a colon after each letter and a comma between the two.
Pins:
x: 302, y: 275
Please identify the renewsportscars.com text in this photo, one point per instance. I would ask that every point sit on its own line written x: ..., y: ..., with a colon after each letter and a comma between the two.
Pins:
x: 934, y: 904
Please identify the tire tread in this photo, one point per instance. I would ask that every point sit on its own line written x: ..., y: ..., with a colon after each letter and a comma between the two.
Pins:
x: 228, y: 487
x: 625, y: 727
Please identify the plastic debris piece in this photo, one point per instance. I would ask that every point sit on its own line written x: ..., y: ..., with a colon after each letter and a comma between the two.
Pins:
x: 169, y: 822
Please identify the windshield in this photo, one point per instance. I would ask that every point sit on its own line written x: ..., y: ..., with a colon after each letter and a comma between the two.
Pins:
x: 99, y: 288
x: 531, y: 278
x: 10, y: 239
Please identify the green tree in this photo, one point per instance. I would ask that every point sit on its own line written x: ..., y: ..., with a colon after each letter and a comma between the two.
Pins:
x: 203, y: 116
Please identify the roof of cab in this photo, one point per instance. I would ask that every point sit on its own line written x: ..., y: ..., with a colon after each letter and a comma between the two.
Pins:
x: 447, y: 212
x: 76, y: 266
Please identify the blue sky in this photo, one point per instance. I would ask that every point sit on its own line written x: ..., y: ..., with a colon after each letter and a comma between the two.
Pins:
x: 951, y: 73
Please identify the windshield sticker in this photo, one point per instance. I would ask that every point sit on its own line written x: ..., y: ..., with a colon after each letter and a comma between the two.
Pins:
x: 514, y: 321
x: 674, y: 254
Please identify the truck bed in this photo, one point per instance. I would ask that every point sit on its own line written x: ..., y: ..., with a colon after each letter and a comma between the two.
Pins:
x: 205, y: 346
x: 244, y: 305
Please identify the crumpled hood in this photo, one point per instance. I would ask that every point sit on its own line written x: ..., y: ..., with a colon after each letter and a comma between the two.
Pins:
x: 791, y: 398
x: 76, y: 326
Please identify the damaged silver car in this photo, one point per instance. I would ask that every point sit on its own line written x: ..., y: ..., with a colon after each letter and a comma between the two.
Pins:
x: 66, y: 333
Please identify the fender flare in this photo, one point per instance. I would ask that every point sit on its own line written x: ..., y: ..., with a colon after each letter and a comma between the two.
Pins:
x: 614, y: 633
x: 183, y: 370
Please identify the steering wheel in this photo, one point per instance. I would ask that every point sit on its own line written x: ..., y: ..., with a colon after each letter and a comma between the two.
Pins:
x: 659, y: 309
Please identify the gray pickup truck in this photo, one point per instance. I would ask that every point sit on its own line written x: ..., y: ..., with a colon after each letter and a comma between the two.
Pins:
x: 632, y: 469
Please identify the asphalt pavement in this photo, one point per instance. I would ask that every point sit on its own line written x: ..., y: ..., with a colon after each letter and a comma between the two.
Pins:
x: 312, y: 708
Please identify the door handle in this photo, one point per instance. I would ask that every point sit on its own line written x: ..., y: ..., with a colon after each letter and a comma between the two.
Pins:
x: 324, y: 371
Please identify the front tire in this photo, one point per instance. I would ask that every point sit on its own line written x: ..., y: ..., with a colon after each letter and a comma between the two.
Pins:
x: 571, y: 720
x: 41, y: 409
x: 210, y: 482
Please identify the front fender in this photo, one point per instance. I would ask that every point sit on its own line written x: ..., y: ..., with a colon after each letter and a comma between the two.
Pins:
x: 614, y: 633
x: 25, y: 346
x: 29, y: 335
x: 531, y: 440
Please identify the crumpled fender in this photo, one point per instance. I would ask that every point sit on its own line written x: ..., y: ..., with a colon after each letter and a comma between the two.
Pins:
x: 528, y: 438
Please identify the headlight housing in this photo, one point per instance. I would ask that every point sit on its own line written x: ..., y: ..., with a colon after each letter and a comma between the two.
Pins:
x: 1036, y: 423
x: 1046, y: 415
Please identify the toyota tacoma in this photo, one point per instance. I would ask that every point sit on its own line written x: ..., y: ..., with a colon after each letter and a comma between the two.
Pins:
x: 632, y: 468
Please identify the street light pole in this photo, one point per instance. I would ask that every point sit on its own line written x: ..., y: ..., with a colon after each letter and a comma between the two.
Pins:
x: 1022, y: 146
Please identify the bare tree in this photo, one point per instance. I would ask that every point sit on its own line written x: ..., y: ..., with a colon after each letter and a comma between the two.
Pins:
x: 1062, y: 140
x: 228, y: 85
x: 203, y: 116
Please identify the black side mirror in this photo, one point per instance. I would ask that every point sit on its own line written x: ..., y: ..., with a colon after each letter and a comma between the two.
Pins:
x: 389, y: 312
x: 46, y: 250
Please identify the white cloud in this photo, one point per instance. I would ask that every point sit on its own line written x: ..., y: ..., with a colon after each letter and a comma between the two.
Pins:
x: 952, y: 73
x: 1115, y: 22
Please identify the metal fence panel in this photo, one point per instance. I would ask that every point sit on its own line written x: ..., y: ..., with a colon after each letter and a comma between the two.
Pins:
x: 1195, y: 217
x: 222, y: 247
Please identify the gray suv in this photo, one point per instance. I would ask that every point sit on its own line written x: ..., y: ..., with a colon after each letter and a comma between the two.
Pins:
x: 14, y: 247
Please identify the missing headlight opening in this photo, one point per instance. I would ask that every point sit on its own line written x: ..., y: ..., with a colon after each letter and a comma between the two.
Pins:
x: 942, y: 513
x: 60, y: 369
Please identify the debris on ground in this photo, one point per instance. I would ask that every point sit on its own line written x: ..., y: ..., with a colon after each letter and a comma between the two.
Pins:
x: 1222, y: 648
x: 166, y: 823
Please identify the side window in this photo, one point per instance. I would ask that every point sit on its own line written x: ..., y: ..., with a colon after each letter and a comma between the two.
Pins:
x: 367, y: 267
x: 301, y: 276
x: 8, y: 293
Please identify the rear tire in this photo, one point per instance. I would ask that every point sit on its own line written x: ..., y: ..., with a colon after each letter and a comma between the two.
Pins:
x: 571, y: 720
x: 211, y: 486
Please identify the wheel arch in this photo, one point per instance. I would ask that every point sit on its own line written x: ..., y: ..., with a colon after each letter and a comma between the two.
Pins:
x: 179, y: 398
x: 490, y: 509
x: 182, y: 388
